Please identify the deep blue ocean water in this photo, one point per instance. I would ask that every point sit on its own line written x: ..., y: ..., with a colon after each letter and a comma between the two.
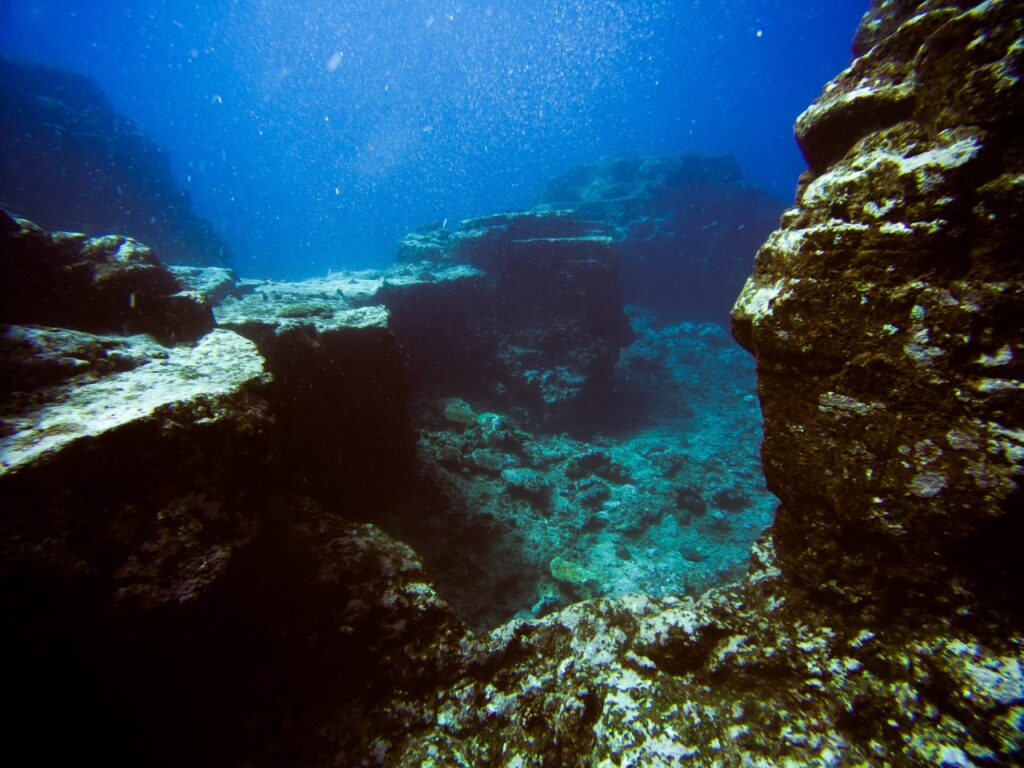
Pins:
x: 313, y: 134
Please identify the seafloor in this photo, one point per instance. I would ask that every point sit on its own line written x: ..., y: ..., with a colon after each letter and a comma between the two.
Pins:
x: 500, y: 504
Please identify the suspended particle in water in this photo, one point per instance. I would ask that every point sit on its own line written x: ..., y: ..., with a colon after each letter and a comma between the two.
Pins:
x: 335, y: 61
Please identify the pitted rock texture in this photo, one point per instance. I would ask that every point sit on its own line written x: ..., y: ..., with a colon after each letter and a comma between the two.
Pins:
x: 885, y: 317
x: 750, y: 675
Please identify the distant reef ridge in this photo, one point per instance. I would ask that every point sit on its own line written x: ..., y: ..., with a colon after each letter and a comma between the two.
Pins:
x: 683, y: 229
x: 687, y: 226
x: 58, y: 131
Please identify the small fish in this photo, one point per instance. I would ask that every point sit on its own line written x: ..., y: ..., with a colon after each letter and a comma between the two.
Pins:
x: 692, y: 555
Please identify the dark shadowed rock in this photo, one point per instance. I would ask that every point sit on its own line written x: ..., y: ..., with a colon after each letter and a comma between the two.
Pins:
x: 108, y: 284
x: 168, y: 595
x: 540, y: 331
x: 686, y: 227
x: 68, y: 160
x: 340, y: 385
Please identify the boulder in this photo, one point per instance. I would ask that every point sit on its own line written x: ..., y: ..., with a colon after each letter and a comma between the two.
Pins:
x: 67, y: 159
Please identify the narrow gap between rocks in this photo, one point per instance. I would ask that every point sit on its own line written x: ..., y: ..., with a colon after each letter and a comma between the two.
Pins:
x: 667, y: 498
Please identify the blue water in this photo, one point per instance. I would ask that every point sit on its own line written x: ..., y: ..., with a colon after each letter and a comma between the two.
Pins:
x: 314, y: 134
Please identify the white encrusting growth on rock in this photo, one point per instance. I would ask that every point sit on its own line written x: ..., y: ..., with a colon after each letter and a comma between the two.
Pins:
x: 756, y: 301
x: 216, y: 365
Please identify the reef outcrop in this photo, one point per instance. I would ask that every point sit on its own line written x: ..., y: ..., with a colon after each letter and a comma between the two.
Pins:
x: 59, y: 132
x: 171, y: 592
x: 883, y: 315
x: 541, y: 332
x: 109, y: 284
x: 685, y: 227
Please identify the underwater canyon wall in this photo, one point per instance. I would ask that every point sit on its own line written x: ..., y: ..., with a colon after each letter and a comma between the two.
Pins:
x: 885, y: 317
x: 58, y: 131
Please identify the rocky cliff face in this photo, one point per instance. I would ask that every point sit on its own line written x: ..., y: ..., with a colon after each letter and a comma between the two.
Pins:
x: 58, y: 132
x: 884, y: 315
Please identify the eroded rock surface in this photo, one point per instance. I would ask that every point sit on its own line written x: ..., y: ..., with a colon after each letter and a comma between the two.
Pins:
x: 885, y: 319
x: 750, y: 675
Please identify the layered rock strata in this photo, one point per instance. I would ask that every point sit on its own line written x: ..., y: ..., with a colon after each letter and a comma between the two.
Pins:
x: 541, y: 333
x: 686, y: 227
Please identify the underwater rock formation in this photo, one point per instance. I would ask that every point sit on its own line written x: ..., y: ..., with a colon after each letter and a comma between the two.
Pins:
x: 686, y: 227
x: 168, y: 593
x: 885, y: 317
x: 543, y: 329
x: 68, y: 160
x: 108, y: 284
x: 340, y: 386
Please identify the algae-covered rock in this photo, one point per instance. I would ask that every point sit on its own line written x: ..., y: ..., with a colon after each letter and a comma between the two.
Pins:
x: 883, y: 318
x: 527, y: 482
x: 459, y: 412
x: 100, y: 384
